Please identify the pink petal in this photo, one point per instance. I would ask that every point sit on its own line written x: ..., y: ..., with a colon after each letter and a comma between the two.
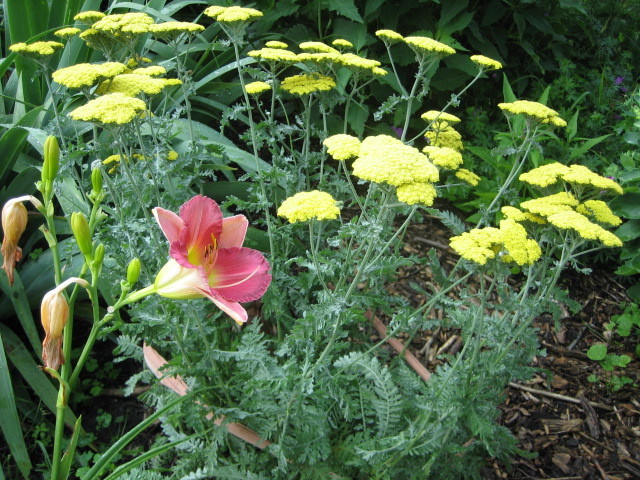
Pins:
x: 233, y: 309
x: 234, y: 230
x: 155, y: 362
x: 202, y: 224
x: 170, y: 223
x: 239, y: 274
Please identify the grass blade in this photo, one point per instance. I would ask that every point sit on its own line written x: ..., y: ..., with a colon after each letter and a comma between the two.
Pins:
x: 18, y: 297
x: 67, y: 458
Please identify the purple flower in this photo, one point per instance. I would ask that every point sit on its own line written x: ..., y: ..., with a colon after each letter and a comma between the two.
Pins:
x: 618, y: 81
x: 398, y: 131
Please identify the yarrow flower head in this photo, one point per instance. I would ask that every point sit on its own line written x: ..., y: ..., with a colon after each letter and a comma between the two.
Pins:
x: 36, y: 50
x: 385, y: 159
x: 421, y: 192
x: 276, y: 44
x: 437, y: 117
x: 173, y: 30
x: 485, y: 63
x: 467, y: 176
x: 208, y: 259
x: 66, y: 32
x: 443, y: 157
x: 152, y: 71
x: 422, y: 45
x: 513, y: 213
x: 551, y: 204
x: 572, y: 220
x: 133, y: 84
x: 342, y: 43
x: 445, y: 136
x: 600, y: 211
x: 305, y: 84
x: 84, y: 75
x: 274, y: 55
x: 124, y: 24
x: 360, y: 64
x: 89, y: 16
x: 233, y: 14
x: 256, y: 88
x: 550, y: 174
x: 533, y: 110
x: 318, y: 47
x: 342, y: 147
x: 304, y: 206
x: 389, y: 36
x: 114, y: 109
x: 545, y: 175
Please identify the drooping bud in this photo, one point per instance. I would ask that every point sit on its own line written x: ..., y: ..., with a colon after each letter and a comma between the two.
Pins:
x: 51, y: 159
x: 14, y: 222
x: 54, y: 313
x: 80, y: 228
x: 133, y: 271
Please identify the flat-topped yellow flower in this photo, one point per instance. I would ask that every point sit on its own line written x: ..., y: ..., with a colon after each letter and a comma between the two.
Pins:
x: 600, y: 211
x: 385, y: 159
x: 443, y: 157
x: 428, y: 45
x: 172, y: 30
x: 486, y: 63
x: 89, y: 16
x: 571, y: 220
x: 256, y: 88
x: 412, y: 193
x: 276, y: 44
x: 445, y: 136
x: 112, y: 109
x: 274, y: 55
x: 440, y: 117
x: 134, y: 84
x: 545, y: 175
x: 353, y: 61
x: 84, y: 75
x: 317, y: 47
x: 342, y: 147
x: 152, y: 71
x: 533, y: 110
x: 519, y: 248
x: 476, y: 245
x: 551, y: 204
x: 305, y: 84
x: 581, y: 175
x: 342, y: 43
x: 67, y: 32
x: 233, y: 14
x: 467, y: 176
x: 36, y: 49
x: 314, y: 205
x: 318, y: 58
x: 389, y: 36
x: 513, y: 213
x: 127, y: 24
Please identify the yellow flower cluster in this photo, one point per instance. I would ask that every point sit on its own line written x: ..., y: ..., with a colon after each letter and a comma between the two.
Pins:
x: 422, y: 45
x: 89, y: 16
x: 233, y: 14
x: 318, y: 58
x: 317, y: 47
x: 152, y: 71
x: 513, y: 213
x: 467, y: 176
x: 509, y: 241
x: 550, y: 174
x: 443, y: 157
x: 133, y: 84
x: 124, y: 24
x: 342, y: 43
x: 389, y: 36
x: 256, y: 88
x: 172, y: 155
x: 440, y: 117
x: 419, y: 192
x: 572, y: 220
x: 305, y: 84
x: 600, y: 211
x: 276, y: 44
x: 115, y: 109
x: 36, y: 49
x: 84, y: 75
x: 445, y: 137
x: 305, y: 206
x: 172, y: 30
x: 342, y: 147
x: 486, y: 63
x: 385, y: 159
x: 356, y: 62
x: 275, y: 55
x: 551, y: 204
x: 66, y: 32
x: 535, y: 111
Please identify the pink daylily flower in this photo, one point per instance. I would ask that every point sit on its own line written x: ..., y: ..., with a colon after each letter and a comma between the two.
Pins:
x: 208, y: 259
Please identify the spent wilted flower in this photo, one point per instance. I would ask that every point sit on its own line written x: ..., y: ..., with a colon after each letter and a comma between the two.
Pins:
x: 14, y: 222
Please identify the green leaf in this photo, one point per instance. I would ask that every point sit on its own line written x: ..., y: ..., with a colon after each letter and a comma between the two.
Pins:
x: 597, y: 352
x: 634, y: 292
x: 586, y: 146
x: 629, y: 230
x: 507, y: 92
x: 346, y: 8
x: 9, y: 420
x: 67, y: 458
x: 627, y: 205
x: 21, y: 307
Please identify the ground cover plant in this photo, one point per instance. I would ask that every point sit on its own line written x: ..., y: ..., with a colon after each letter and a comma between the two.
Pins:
x: 249, y: 265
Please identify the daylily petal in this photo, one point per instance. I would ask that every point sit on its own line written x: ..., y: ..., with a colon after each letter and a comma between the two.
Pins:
x: 202, y: 227
x: 175, y: 281
x: 233, y: 309
x: 170, y: 223
x: 234, y: 230
x: 239, y: 274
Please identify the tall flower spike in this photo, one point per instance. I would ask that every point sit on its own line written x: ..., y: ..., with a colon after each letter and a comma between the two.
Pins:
x: 14, y: 222
x: 54, y: 313
x: 208, y: 259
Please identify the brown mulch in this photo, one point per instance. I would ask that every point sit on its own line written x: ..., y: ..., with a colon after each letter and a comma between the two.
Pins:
x: 577, y: 429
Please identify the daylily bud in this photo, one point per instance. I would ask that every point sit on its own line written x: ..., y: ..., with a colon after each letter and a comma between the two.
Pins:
x: 98, y: 256
x: 133, y: 271
x: 54, y: 313
x: 80, y: 228
x: 14, y: 222
x: 51, y: 160
x: 96, y: 180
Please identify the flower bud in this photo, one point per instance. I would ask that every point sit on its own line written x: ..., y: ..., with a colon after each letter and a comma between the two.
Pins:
x: 96, y: 180
x: 133, y: 271
x: 98, y: 256
x: 51, y: 160
x: 80, y: 228
x: 54, y: 313
x: 14, y: 222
